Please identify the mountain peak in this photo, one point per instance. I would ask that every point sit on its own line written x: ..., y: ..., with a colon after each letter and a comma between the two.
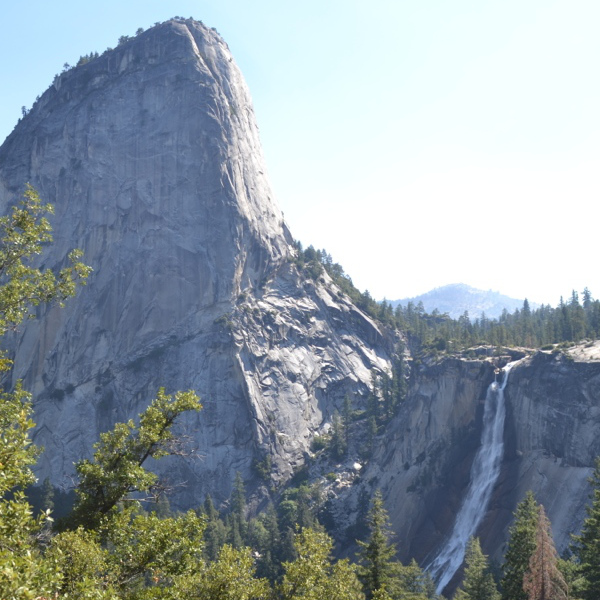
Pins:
x: 151, y: 156
x: 456, y: 298
x: 162, y: 125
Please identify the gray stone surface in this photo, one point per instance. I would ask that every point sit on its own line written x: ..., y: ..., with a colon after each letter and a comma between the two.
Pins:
x: 152, y: 159
x: 422, y: 462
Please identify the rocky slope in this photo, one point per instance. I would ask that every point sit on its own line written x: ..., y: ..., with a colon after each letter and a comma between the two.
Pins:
x: 151, y: 156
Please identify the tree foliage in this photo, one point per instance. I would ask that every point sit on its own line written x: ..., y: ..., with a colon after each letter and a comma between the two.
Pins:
x: 112, y: 548
x: 588, y: 542
x: 521, y: 546
x: 116, y: 470
x: 23, y: 571
x: 313, y: 575
x: 478, y: 582
x: 230, y: 577
x: 377, y: 567
x: 543, y: 580
x: 23, y: 285
x: 380, y: 574
x: 571, y: 321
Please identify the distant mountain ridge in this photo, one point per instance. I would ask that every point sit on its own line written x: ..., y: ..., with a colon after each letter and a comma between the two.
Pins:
x: 456, y: 298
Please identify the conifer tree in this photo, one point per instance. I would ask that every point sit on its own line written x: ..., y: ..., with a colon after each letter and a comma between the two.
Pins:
x: 269, y: 563
x: 478, y: 582
x: 521, y: 546
x: 377, y: 567
x: 305, y: 516
x: 347, y: 418
x: 234, y: 537
x: 215, y: 534
x: 237, y: 519
x: 588, y: 543
x: 47, y: 495
x: 414, y: 583
x: 543, y: 580
x: 238, y: 497
x: 209, y: 508
x: 314, y: 576
x: 338, y: 443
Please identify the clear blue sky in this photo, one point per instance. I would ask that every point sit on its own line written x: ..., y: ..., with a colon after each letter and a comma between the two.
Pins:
x: 420, y: 143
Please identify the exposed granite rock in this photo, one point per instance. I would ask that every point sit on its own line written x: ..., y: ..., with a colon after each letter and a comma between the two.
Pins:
x: 552, y: 437
x: 151, y: 156
x: 422, y: 462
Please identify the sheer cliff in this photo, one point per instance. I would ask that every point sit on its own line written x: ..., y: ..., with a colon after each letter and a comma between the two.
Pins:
x: 423, y: 462
x: 151, y: 156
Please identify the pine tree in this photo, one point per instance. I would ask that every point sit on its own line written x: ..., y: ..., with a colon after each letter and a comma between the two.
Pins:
x: 215, y: 534
x: 414, y: 583
x: 588, y: 543
x: 47, y: 495
x: 234, y: 536
x: 478, y: 582
x: 338, y: 443
x: 347, y: 418
x: 377, y: 568
x: 237, y: 518
x: 162, y: 507
x: 238, y: 497
x: 372, y: 431
x: 269, y: 564
x: 209, y: 508
x: 543, y: 580
x: 521, y: 546
x: 305, y: 516
x: 314, y: 576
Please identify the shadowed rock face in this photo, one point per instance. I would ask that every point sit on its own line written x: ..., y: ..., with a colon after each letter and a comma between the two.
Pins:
x: 552, y: 438
x: 422, y: 463
x: 150, y: 154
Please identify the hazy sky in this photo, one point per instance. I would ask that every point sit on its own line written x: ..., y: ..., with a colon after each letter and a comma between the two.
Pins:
x: 420, y: 142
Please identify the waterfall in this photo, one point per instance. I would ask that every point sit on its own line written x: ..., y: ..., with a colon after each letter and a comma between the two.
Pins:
x: 484, y: 472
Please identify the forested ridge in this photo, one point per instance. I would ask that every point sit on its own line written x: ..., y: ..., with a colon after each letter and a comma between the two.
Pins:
x: 573, y: 320
x: 121, y: 539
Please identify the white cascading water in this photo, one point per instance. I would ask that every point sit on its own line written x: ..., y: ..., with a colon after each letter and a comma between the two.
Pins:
x: 484, y: 472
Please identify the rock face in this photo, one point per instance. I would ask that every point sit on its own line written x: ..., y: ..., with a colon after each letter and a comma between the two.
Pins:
x: 552, y: 437
x: 422, y: 463
x: 150, y: 155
